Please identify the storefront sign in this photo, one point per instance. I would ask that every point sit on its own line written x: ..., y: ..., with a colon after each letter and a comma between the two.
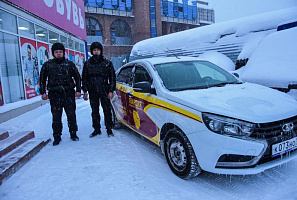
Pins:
x: 66, y: 14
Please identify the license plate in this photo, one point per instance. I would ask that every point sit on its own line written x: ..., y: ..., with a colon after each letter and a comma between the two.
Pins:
x: 284, y: 147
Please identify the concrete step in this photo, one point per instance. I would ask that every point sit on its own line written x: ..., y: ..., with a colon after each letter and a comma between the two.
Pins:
x: 13, y: 141
x: 15, y: 159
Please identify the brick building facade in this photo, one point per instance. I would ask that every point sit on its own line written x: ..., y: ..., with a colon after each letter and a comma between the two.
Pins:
x: 120, y: 24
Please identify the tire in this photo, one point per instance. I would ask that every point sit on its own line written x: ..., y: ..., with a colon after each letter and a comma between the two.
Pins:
x: 180, y: 155
x: 116, y: 123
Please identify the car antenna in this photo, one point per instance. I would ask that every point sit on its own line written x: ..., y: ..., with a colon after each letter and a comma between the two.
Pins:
x: 173, y: 53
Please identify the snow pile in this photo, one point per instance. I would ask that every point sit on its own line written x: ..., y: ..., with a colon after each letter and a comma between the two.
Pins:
x: 252, y: 40
x: 219, y: 59
x: 11, y: 106
x: 274, y: 62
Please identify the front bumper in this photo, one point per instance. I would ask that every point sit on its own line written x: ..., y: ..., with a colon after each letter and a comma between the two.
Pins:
x: 239, y: 156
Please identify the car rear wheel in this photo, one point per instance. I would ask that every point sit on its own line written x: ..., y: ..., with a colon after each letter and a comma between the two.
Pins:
x: 180, y: 155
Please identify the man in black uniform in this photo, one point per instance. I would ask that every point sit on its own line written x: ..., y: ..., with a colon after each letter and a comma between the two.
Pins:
x: 98, y: 79
x: 58, y: 73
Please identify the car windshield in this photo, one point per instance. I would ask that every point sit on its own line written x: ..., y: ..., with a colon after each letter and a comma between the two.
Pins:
x: 186, y: 75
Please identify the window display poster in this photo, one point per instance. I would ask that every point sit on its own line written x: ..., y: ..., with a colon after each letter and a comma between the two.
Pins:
x: 82, y: 60
x: 67, y: 54
x: 30, y: 67
x: 42, y: 54
x: 78, y: 62
x: 50, y: 52
x: 71, y: 56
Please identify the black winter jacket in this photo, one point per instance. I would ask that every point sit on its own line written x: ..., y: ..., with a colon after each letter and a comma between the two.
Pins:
x: 98, y: 75
x: 59, y: 74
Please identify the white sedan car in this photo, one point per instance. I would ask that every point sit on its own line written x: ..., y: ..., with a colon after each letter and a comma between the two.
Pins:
x: 205, y: 118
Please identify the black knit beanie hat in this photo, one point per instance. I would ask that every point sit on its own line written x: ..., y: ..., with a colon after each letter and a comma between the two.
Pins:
x: 95, y: 45
x: 58, y: 46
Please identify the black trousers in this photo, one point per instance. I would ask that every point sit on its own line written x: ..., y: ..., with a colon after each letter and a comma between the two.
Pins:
x: 95, y: 99
x: 58, y: 101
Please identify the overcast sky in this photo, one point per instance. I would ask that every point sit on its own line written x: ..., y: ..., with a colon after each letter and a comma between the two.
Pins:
x: 232, y: 9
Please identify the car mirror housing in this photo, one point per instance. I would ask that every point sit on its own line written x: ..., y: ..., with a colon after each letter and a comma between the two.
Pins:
x: 143, y: 87
x: 235, y: 74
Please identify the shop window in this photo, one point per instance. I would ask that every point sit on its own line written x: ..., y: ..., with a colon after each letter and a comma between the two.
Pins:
x: 120, y: 33
x: 8, y: 22
x: 41, y: 34
x: 153, y: 18
x: 53, y: 37
x: 107, y: 4
x: 76, y: 46
x: 11, y: 70
x: 82, y: 47
x: 26, y: 28
x: 94, y: 33
x: 93, y: 28
x: 64, y: 41
x: 70, y: 43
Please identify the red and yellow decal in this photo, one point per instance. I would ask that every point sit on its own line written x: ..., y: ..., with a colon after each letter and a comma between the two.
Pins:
x: 135, y: 117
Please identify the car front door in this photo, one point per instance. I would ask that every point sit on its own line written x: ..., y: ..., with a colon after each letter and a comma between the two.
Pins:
x: 139, y: 102
x: 121, y: 101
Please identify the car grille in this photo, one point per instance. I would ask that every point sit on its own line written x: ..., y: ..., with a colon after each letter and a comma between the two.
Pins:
x: 272, y: 132
x: 273, y: 129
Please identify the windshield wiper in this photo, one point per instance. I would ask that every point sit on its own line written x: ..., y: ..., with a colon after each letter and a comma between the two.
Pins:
x: 205, y: 86
x: 190, y: 88
x: 225, y: 83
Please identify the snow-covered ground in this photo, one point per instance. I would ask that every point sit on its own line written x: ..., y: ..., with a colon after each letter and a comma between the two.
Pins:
x: 124, y: 167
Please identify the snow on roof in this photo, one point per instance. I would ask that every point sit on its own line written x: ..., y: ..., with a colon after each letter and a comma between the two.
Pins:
x: 218, y: 59
x: 193, y: 38
x: 274, y: 62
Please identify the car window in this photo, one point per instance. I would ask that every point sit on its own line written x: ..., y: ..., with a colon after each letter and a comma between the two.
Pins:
x: 124, y: 76
x: 208, y: 71
x: 141, y: 74
x: 185, y: 75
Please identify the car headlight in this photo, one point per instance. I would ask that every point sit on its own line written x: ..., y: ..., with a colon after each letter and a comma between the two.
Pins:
x: 225, y: 125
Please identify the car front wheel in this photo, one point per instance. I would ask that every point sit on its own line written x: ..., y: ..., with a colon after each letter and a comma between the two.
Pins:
x: 180, y: 155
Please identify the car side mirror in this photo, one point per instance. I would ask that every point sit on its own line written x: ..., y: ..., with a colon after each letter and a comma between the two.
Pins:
x: 292, y: 86
x: 236, y: 74
x: 143, y: 87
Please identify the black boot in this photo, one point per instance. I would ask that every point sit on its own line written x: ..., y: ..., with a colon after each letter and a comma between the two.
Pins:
x: 73, y: 136
x: 57, y: 139
x: 109, y: 132
x: 95, y: 133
